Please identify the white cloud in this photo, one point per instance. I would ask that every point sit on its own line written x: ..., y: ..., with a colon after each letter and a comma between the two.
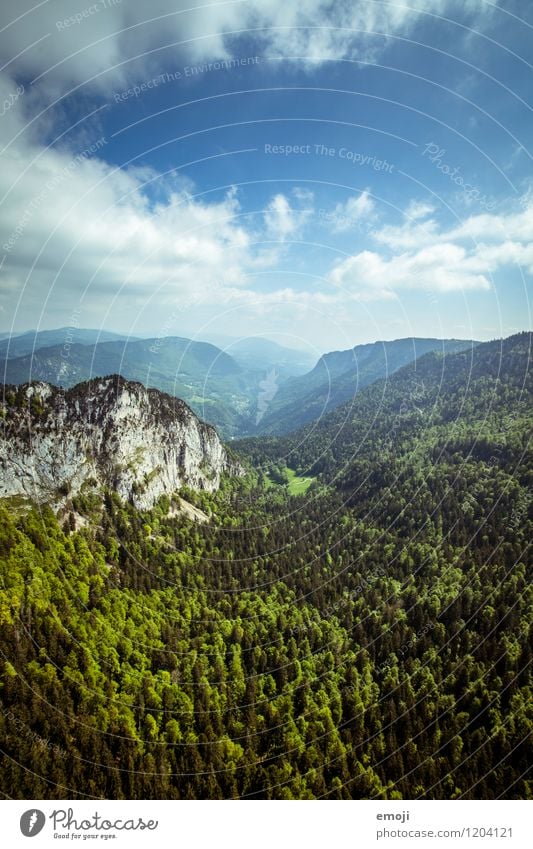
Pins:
x: 493, y: 227
x: 414, y: 232
x: 79, y: 229
x: 67, y: 223
x: 417, y: 228
x: 282, y: 221
x: 440, y: 268
x: 349, y: 215
x: 119, y: 40
x: 410, y: 235
x: 320, y: 30
x: 432, y: 258
x: 419, y: 209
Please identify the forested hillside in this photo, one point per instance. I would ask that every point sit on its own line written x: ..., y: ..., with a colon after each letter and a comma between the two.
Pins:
x: 339, y: 375
x: 369, y: 638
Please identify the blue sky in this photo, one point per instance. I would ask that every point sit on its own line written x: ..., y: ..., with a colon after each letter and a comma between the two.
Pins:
x: 321, y: 174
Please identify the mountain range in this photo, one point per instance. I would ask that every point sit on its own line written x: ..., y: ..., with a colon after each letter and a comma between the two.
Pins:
x: 253, y: 386
x: 340, y: 375
x: 339, y: 612
x: 20, y: 345
x: 437, y: 407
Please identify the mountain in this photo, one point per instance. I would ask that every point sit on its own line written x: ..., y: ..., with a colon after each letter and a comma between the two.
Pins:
x: 469, y: 407
x: 339, y: 375
x: 367, y: 636
x: 255, y: 386
x: 223, y: 387
x: 64, y: 337
x: 216, y: 387
x: 264, y: 355
x: 108, y: 433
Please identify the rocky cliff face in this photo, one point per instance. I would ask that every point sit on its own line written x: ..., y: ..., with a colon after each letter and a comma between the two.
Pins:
x: 108, y: 432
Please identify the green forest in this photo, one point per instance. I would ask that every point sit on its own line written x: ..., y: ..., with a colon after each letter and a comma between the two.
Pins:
x: 352, y: 622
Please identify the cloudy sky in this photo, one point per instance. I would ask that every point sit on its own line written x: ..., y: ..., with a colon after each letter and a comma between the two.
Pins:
x: 321, y: 173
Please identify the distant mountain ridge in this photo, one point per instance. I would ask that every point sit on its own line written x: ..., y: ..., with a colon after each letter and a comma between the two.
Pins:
x: 19, y: 345
x: 339, y: 375
x: 216, y: 387
x: 264, y: 354
x: 222, y: 389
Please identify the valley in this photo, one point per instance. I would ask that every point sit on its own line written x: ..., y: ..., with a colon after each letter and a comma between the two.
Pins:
x: 338, y: 612
x: 265, y: 422
x: 251, y: 386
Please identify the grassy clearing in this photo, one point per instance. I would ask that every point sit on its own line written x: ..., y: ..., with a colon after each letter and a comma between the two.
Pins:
x: 298, y: 485
x: 295, y: 484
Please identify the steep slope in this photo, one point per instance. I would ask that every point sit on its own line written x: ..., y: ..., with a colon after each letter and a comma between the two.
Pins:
x: 339, y: 375
x: 108, y: 433
x: 464, y: 412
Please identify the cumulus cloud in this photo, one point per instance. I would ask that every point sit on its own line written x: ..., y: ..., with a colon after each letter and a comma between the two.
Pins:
x: 411, y: 234
x: 349, y: 215
x: 515, y: 224
x: 280, y: 220
x: 73, y: 222
x: 283, y: 221
x: 426, y: 256
x: 418, y: 209
x: 440, y: 268
x: 75, y: 229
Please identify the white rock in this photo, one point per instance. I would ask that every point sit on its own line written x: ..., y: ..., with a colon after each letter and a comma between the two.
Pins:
x: 140, y: 443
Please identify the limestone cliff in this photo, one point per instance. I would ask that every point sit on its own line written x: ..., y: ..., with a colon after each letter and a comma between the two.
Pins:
x: 108, y: 432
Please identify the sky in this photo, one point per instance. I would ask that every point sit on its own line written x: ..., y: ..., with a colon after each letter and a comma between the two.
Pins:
x: 323, y: 174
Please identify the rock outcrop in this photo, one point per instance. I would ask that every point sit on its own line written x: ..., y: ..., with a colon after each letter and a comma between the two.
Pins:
x: 108, y: 432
